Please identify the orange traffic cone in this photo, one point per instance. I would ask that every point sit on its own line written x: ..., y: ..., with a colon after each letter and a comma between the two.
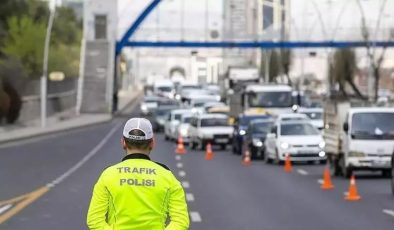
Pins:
x: 352, y: 195
x: 327, y: 183
x: 180, y: 147
x: 288, y: 167
x: 246, y: 161
x: 209, y: 152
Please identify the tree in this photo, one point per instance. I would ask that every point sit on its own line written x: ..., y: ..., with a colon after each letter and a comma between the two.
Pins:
x: 375, y: 59
x: 25, y: 41
x: 286, y: 62
x: 343, y: 70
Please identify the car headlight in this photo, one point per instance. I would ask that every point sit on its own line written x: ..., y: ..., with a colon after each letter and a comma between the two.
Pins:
x: 257, y: 142
x: 218, y: 98
x: 242, y: 132
x: 356, y: 154
x: 285, y: 145
x: 322, y: 144
x: 322, y: 154
x: 144, y: 108
x: 178, y: 97
x: 183, y: 132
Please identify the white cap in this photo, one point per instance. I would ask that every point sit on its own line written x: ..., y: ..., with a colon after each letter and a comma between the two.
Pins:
x: 141, y: 124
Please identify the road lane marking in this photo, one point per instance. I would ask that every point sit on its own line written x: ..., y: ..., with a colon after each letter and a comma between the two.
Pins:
x: 320, y: 181
x: 185, y: 184
x: 5, y: 208
x: 182, y: 173
x: 179, y: 165
x: 195, y: 217
x: 19, y: 203
x: 78, y: 165
x: 302, y: 172
x: 178, y: 158
x: 189, y: 197
x: 388, y: 212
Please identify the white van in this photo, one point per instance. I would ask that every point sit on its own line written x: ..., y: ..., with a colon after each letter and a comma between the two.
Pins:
x: 164, y: 88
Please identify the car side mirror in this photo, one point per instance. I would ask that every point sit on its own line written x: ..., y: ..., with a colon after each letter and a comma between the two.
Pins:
x: 346, y: 127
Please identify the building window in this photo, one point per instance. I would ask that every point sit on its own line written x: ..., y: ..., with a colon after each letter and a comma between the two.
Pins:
x: 100, y: 27
x: 268, y: 16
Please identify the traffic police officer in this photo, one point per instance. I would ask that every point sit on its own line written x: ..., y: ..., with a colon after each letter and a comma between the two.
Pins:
x: 138, y: 193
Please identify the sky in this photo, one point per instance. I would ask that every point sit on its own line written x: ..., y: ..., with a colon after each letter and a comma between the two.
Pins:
x: 310, y: 19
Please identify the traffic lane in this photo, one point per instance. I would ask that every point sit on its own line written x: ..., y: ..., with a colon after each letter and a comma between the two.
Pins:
x: 231, y: 196
x: 65, y: 206
x: 28, y: 166
x: 374, y: 189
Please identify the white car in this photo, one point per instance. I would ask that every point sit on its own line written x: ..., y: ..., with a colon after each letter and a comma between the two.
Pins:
x: 316, y: 116
x: 149, y: 105
x: 183, y: 127
x: 172, y: 122
x: 164, y: 88
x: 210, y: 128
x: 298, y: 139
x: 197, y: 103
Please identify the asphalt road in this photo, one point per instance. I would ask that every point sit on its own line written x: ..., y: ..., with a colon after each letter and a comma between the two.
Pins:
x: 222, y: 193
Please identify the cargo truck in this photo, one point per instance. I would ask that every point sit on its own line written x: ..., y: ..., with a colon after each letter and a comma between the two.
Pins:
x: 358, y: 137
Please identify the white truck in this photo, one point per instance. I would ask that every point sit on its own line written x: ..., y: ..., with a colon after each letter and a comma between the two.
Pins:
x: 358, y: 138
x: 274, y: 99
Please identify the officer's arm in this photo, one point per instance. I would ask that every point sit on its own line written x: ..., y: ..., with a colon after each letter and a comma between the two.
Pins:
x: 177, y: 207
x: 96, y: 218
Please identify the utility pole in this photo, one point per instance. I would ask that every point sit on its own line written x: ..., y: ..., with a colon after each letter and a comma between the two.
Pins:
x: 44, y: 77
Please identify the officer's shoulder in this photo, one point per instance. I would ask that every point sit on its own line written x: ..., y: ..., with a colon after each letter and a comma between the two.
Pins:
x: 163, y: 165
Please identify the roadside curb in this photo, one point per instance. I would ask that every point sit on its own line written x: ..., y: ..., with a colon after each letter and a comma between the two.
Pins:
x: 72, y: 124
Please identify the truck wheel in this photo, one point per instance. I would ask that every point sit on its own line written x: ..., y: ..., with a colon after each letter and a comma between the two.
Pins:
x: 193, y: 144
x: 386, y: 173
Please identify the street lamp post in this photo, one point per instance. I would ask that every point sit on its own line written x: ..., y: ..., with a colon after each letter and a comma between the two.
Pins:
x: 44, y: 77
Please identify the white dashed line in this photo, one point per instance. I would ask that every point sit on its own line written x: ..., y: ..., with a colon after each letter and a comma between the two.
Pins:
x: 185, y: 184
x: 79, y: 164
x: 195, y: 217
x: 5, y: 208
x: 178, y: 158
x: 302, y: 172
x: 345, y: 193
x: 179, y: 165
x: 189, y: 197
x: 320, y: 181
x: 388, y: 212
x: 182, y: 173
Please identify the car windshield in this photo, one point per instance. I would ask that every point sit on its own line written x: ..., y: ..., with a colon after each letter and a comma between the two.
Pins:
x: 298, y: 130
x: 164, y: 111
x: 373, y: 126
x: 186, y: 120
x: 151, y: 100
x: 165, y: 88
x: 270, y: 99
x: 191, y: 87
x: 210, y: 122
x: 314, y: 115
x: 177, y: 117
x: 245, y: 120
x: 261, y: 127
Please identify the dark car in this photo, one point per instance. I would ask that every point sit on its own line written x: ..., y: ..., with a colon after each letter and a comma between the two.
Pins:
x: 255, y: 137
x: 392, y: 173
x: 241, y: 124
x: 160, y: 116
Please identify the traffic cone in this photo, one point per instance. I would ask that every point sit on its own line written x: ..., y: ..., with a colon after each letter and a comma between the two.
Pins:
x: 327, y: 183
x: 246, y: 161
x: 209, y: 152
x: 288, y: 167
x: 352, y: 195
x: 180, y: 147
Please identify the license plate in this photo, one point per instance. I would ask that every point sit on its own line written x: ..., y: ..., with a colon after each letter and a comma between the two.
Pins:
x: 222, y: 140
